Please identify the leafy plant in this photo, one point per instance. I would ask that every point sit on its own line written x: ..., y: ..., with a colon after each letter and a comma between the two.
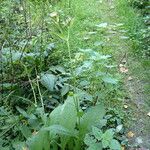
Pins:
x: 97, y: 140
x: 67, y: 126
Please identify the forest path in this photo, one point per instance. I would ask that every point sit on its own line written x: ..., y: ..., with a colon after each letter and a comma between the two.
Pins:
x: 135, y: 102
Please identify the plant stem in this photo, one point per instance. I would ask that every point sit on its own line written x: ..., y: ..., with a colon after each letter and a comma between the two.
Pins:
x: 38, y: 86
x: 35, y: 99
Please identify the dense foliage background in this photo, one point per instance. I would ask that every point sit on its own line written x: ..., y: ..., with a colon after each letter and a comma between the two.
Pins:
x: 60, y: 83
x: 143, y: 6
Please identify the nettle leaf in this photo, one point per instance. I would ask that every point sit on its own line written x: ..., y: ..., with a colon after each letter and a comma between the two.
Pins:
x: 50, y: 46
x: 91, y: 117
x: 92, y: 143
x: 115, y: 145
x: 58, y: 69
x: 97, y: 133
x: 83, y: 95
x: 95, y: 146
x: 105, y: 143
x: 89, y: 140
x: 87, y: 65
x: 110, y: 80
x: 48, y: 80
x: 65, y: 115
x: 107, y: 137
x: 10, y: 55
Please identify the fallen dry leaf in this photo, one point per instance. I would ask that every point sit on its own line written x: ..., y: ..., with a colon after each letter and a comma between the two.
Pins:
x: 129, y: 78
x: 125, y: 106
x: 123, y: 69
x: 130, y: 134
x: 148, y: 114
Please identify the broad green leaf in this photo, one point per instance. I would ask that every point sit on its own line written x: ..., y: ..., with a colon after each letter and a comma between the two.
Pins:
x: 22, y: 112
x: 18, y: 145
x: 95, y: 146
x: 110, y: 80
x: 102, y: 123
x: 105, y: 143
x: 65, y: 115
x: 65, y: 90
x: 89, y: 140
x: 119, y: 128
x: 100, y: 57
x: 91, y: 117
x: 48, y: 80
x: 115, y: 145
x: 40, y: 141
x: 107, y: 137
x: 8, y: 86
x: 97, y: 133
x: 25, y: 131
x: 11, y: 55
x: 58, y: 69
x: 58, y: 129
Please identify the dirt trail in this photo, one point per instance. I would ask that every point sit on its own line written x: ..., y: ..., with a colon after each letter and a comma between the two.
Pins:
x: 136, y: 101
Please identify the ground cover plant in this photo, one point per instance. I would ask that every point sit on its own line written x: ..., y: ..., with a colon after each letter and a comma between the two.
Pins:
x: 61, y: 79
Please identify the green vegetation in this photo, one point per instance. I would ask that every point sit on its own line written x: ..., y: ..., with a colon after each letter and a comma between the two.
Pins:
x: 62, y: 87
x: 137, y: 25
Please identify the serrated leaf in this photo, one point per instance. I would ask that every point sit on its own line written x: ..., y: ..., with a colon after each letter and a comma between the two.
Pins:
x: 97, y: 133
x: 95, y: 146
x: 89, y: 140
x: 107, y: 137
x: 115, y: 145
x: 48, y: 80
x: 105, y: 143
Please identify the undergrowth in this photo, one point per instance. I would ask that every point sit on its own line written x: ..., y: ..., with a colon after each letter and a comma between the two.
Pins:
x: 135, y: 15
x: 59, y: 85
